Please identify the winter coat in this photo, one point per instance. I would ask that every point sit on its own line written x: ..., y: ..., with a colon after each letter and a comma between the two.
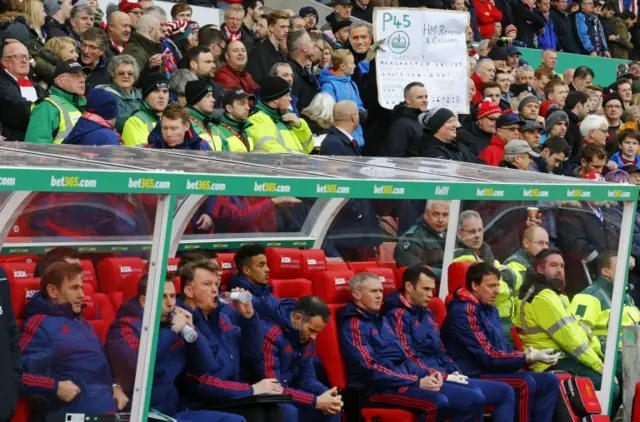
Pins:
x: 99, y: 74
x: 365, y: 14
x: 418, y: 332
x: 404, y: 134
x: 53, y: 334
x: 10, y: 365
x: 245, y: 36
x: 284, y: 356
x: 191, y: 142
x: 15, y: 112
x: 45, y: 125
x: 548, y: 38
x: 259, y: 291
x: 305, y: 85
x: 230, y: 78
x: 128, y: 103
x: 528, y: 22
x: 476, y: 140
x: 342, y: 88
x: 487, y: 14
x: 92, y: 129
x: 432, y: 147
x: 474, y: 339
x: 564, y: 32
x: 494, y: 153
x: 588, y: 30
x: 174, y: 357
x: 262, y: 58
x: 141, y: 49
x: 52, y: 28
x: 620, y: 49
x: 373, y: 354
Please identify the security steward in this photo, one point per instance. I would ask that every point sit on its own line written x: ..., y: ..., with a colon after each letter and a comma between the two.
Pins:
x: 53, y: 117
x: 233, y: 124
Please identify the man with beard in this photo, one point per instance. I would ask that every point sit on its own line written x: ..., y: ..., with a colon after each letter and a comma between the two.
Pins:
x: 202, y: 64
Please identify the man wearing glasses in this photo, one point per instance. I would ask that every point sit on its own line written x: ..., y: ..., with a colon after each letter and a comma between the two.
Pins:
x: 534, y: 240
x: 17, y: 91
x: 507, y: 128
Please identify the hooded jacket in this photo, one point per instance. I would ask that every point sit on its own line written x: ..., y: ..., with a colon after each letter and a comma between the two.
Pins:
x: 474, y: 339
x: 191, y: 141
x: 494, y: 153
x: 405, y: 132
x: 418, y: 332
x: 92, y: 129
x: 373, y: 355
x: 284, y: 357
x: 259, y: 291
x: 59, y: 345
x: 173, y: 356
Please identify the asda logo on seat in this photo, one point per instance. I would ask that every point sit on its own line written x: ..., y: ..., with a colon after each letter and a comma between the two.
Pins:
x: 20, y: 274
x: 125, y: 269
x: 340, y: 281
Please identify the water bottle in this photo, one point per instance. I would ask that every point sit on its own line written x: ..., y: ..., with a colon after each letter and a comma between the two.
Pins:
x: 242, y: 297
x: 189, y: 334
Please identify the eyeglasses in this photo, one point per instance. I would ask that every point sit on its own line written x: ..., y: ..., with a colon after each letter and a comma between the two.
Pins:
x: 20, y: 57
x: 90, y: 47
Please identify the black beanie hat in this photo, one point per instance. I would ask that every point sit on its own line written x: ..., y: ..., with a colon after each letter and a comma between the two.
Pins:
x: 196, y: 90
x: 274, y: 87
x: 435, y: 118
x: 149, y: 82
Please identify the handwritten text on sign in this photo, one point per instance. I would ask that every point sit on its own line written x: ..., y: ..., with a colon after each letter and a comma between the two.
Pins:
x: 422, y: 45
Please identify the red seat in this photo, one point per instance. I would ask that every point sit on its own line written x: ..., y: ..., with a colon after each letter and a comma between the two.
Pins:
x: 635, y: 411
x: 17, y: 270
x: 399, y: 274
x: 314, y: 260
x: 89, y: 274
x: 387, y: 278
x: 390, y: 264
x: 101, y: 328
x: 22, y: 289
x: 516, y: 339
x: 113, y: 273
x: 98, y: 306
x: 337, y: 265
x: 358, y: 267
x: 292, y: 288
x: 116, y: 299
x: 130, y: 289
x: 22, y: 412
x: 227, y: 266
x: 284, y: 263
x: 19, y: 258
x: 333, y: 286
x: 457, y: 272
x: 172, y: 265
x: 439, y: 310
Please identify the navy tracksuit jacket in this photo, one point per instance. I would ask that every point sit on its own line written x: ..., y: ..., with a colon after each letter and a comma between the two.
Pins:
x: 259, y: 291
x: 59, y: 345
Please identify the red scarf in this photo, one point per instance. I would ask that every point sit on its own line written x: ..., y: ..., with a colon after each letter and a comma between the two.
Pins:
x: 232, y: 37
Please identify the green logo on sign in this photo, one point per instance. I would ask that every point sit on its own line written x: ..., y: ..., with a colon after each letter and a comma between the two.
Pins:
x: 399, y: 42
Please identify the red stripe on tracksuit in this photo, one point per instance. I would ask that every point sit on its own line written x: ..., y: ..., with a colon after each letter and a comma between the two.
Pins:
x: 429, y: 408
x: 30, y: 330
x: 405, y: 343
x: 37, y: 381
x: 217, y: 382
x: 267, y: 349
x: 486, y: 346
x: 523, y: 387
x: 300, y: 396
x: 357, y: 340
x: 127, y: 333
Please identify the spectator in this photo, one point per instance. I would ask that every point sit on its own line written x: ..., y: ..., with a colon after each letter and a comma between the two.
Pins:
x: 178, y: 84
x: 119, y: 31
x: 95, y: 127
x: 155, y: 91
x: 253, y: 273
x: 567, y: 76
x: 556, y: 123
x: 81, y: 19
x: 518, y: 155
x: 507, y: 129
x: 132, y: 9
x: 340, y: 140
x: 175, y: 131
x: 310, y: 16
x: 628, y: 142
x: 233, y: 74
x: 478, y: 137
x: 487, y: 14
x: 181, y: 12
x: 582, y: 78
x: 423, y: 243
x: 613, y: 107
x: 262, y: 29
x: 577, y: 109
x: 592, y: 159
x: 234, y: 124
x: 340, y: 34
x: 541, y: 78
x: 525, y: 75
x: 175, y: 358
x: 232, y: 26
x: 360, y: 39
x: 589, y: 32
x: 337, y: 83
x: 439, y: 140
x: 319, y: 115
x: 552, y: 154
x: 46, y: 346
x: 44, y: 68
x: 405, y: 130
x: 503, y: 79
x: 531, y: 134
x: 557, y: 91
x: 285, y: 71
x: 296, y: 23
x: 145, y: 46
x: 492, y: 91
x: 527, y: 21
x: 562, y: 23
x: 483, y: 72
x: 341, y: 12
x: 200, y: 102
x: 53, y: 118
x: 214, y: 40
x: 529, y: 108
x: 362, y: 10
x: 549, y: 58
x: 171, y: 55
x: 18, y: 92
x: 58, y: 11
x: 254, y: 11
x: 624, y: 91
x: 268, y: 52
x: 202, y: 64
x: 547, y: 39
x: 630, y: 118
x: 291, y: 327
x: 305, y: 85
x: 65, y: 48
x: 124, y: 73
x: 92, y: 56
x: 621, y: 46
x: 273, y: 127
x: 181, y: 34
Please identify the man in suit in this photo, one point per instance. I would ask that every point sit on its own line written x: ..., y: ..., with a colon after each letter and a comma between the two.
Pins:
x: 339, y: 140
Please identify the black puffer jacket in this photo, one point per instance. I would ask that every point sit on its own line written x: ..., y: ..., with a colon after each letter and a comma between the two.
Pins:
x: 433, y: 147
x: 475, y: 139
x: 405, y: 131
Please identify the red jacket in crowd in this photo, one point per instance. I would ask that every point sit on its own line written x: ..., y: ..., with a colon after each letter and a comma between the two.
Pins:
x: 487, y: 14
x: 477, y: 97
x: 231, y: 78
x: 494, y: 153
